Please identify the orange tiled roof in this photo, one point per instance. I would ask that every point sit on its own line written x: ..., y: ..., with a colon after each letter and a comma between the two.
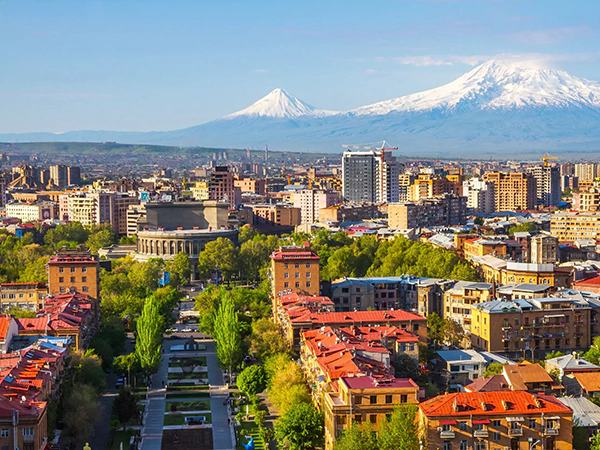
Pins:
x: 4, y: 325
x: 589, y: 381
x: 519, y: 375
x: 473, y: 403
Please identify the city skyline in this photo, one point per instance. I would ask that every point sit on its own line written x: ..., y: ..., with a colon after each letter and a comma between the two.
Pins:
x: 121, y: 66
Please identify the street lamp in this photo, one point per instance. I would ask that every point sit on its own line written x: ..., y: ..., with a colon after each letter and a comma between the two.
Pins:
x: 532, y: 444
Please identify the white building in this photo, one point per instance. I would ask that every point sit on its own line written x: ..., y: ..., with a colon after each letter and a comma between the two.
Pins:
x: 92, y: 208
x: 31, y: 212
x: 310, y: 201
x: 480, y: 195
x: 547, y: 179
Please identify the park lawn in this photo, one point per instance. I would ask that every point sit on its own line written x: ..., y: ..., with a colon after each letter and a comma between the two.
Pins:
x: 179, y: 419
x: 186, y: 376
x: 121, y: 436
x: 249, y: 429
x: 197, y: 405
x: 187, y: 395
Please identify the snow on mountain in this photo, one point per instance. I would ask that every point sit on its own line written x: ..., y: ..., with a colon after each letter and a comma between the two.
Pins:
x: 280, y: 104
x: 496, y: 85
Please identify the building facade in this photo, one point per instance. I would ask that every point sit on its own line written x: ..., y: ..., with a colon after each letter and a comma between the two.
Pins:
x: 547, y: 181
x: 370, y: 176
x: 295, y: 270
x: 571, y: 226
x: 480, y: 195
x: 513, y: 190
x: 73, y: 270
x: 310, y: 202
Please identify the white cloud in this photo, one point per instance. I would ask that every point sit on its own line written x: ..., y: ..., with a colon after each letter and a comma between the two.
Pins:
x: 537, y: 59
x: 260, y: 71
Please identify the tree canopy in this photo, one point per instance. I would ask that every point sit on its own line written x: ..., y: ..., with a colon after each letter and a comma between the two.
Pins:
x: 300, y: 428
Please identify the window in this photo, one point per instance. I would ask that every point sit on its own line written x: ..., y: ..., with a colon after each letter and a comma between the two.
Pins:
x: 61, y: 279
x: 532, y: 424
x: 84, y: 279
x: 358, y: 400
x: 403, y: 398
x: 463, y: 445
x: 297, y: 266
x: 373, y: 399
x: 373, y: 418
x: 286, y: 275
x: 308, y: 284
x: 286, y: 285
x: 297, y: 284
x: 5, y: 432
x: 307, y: 274
x: 462, y: 426
x: 388, y: 399
x: 72, y: 279
x: 84, y: 288
x: 308, y: 265
x: 62, y: 289
x: 297, y: 274
x: 447, y: 445
x: 72, y: 269
x: 480, y: 445
x: 84, y: 269
x: 496, y: 422
x: 28, y: 431
x: 496, y: 436
x: 61, y: 269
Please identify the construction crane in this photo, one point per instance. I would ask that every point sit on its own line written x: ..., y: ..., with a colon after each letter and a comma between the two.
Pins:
x: 547, y: 157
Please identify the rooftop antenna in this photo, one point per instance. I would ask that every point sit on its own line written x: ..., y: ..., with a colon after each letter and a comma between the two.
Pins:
x: 266, y: 153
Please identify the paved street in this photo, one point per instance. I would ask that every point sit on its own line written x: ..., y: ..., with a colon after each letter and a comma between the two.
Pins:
x: 221, y: 429
x: 155, y: 411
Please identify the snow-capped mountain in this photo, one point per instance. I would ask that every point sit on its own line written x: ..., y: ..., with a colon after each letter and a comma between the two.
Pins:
x: 280, y: 104
x: 499, y: 106
x: 497, y: 85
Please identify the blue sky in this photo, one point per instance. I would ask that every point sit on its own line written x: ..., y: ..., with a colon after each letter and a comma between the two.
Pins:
x: 163, y: 65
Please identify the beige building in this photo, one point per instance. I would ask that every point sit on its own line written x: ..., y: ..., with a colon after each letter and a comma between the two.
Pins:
x: 28, y: 295
x: 252, y: 185
x: 587, y: 200
x: 570, y: 226
x: 311, y: 201
x: 200, y: 190
x: 92, y: 208
x: 134, y: 213
x: 512, y: 190
x: 279, y: 215
x: 32, y: 212
x: 586, y: 172
x: 122, y: 204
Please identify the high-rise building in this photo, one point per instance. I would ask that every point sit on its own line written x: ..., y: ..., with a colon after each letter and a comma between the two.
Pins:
x: 2, y: 191
x: 122, y: 202
x: 586, y: 172
x: 547, y: 180
x: 221, y: 185
x: 58, y: 175
x: 442, y: 210
x: 134, y: 213
x: 73, y: 176
x: 512, y: 190
x: 92, y: 208
x: 370, y: 176
x: 480, y: 195
x: 310, y: 201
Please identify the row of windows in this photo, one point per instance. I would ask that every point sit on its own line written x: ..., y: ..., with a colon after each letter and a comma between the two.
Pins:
x: 62, y: 269
x: 62, y: 280
x: 373, y: 399
x: 5, y: 432
x: 287, y: 285
x: 11, y: 296
x: 297, y: 266
x: 296, y: 275
x: 83, y: 289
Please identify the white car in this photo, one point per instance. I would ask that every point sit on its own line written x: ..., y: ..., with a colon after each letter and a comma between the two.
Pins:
x: 187, y: 330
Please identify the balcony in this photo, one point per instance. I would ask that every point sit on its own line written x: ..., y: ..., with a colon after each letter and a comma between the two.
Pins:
x: 578, y: 334
x: 549, y: 324
x: 481, y: 433
x: 447, y: 434
x: 506, y: 338
x: 506, y: 327
x: 578, y: 324
x: 551, y: 431
x: 515, y: 432
x: 27, y: 438
x: 526, y: 326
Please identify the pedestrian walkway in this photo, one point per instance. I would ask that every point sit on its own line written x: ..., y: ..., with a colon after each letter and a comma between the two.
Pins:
x: 222, y: 434
x: 155, y: 409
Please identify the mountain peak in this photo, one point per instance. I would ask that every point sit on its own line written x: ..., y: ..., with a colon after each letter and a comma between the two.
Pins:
x: 280, y: 104
x: 497, y: 84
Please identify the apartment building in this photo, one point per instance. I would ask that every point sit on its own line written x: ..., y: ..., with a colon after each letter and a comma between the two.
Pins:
x: 134, y: 213
x: 276, y: 215
x: 443, y: 210
x: 459, y: 299
x: 28, y: 295
x: 122, y: 202
x: 73, y: 270
x: 496, y: 421
x: 586, y: 201
x: 295, y: 270
x: 221, y: 185
x: 571, y: 226
x: 370, y: 176
x: 32, y: 212
x: 352, y: 295
x: 364, y: 399
x: 531, y: 327
x: 92, y: 208
x: 496, y: 270
x: 547, y: 181
x: 252, y: 185
x: 513, y: 190
x: 311, y: 201
x: 586, y: 171
x: 480, y: 195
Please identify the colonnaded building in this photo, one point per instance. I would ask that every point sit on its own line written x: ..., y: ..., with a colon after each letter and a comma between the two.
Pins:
x: 173, y: 227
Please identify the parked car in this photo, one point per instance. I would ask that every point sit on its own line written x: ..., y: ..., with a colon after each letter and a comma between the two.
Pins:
x: 120, y: 382
x: 187, y: 330
x: 199, y: 420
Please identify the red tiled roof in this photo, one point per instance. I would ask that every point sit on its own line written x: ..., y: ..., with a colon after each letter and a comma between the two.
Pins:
x: 4, y: 325
x: 366, y: 317
x: 589, y: 282
x: 368, y: 382
x: 294, y: 255
x: 472, y: 404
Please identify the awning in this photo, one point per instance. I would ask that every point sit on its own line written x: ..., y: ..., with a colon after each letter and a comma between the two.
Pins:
x: 447, y: 422
x: 481, y: 421
x: 515, y: 419
x: 553, y: 315
x: 553, y: 418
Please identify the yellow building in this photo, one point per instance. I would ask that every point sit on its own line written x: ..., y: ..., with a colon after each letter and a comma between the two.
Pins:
x: 536, y: 325
x: 295, y: 270
x: 512, y: 190
x: 570, y: 226
x: 495, y: 421
x: 364, y: 399
x: 28, y: 295
x: 496, y: 270
x: 199, y: 190
x: 481, y: 247
x: 73, y: 271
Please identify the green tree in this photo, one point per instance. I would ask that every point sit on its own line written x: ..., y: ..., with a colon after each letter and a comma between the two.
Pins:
x: 595, y: 442
x: 300, y: 428
x: 247, y: 233
x: 252, y: 380
x: 228, y: 335
x: 255, y: 255
x: 21, y: 313
x: 180, y: 269
x: 555, y: 354
x: 357, y: 436
x: 82, y: 411
x: 219, y: 254
x: 400, y: 430
x: 127, y: 364
x: 453, y: 333
x: 100, y: 239
x: 405, y: 367
x: 88, y: 369
x: 435, y: 325
x: 266, y: 339
x: 524, y: 227
x: 593, y: 354
x: 493, y: 369
x: 125, y: 406
x: 149, y: 336
x: 35, y: 271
